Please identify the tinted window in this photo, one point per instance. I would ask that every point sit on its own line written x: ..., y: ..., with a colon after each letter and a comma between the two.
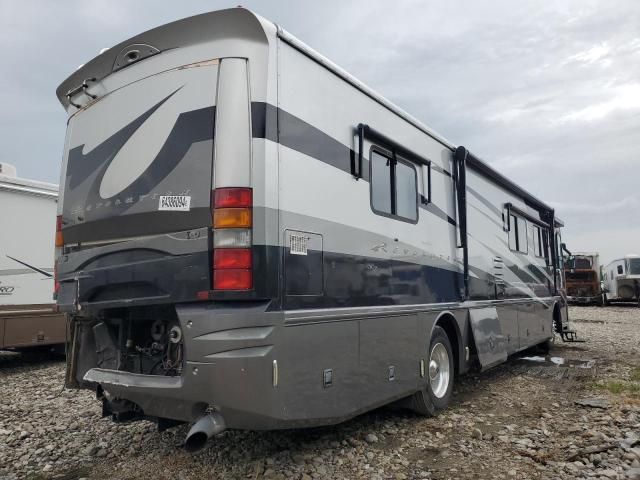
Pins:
x: 513, y: 232
x: 522, y: 235
x: 406, y: 194
x: 582, y: 263
x: 620, y: 269
x: 394, y: 186
x: 634, y: 266
x: 517, y: 233
x: 537, y: 240
x: 381, y: 182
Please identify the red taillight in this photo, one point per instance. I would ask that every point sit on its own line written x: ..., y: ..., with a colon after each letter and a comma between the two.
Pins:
x: 232, y: 221
x: 232, y: 279
x: 59, y: 236
x: 225, y: 258
x: 232, y: 197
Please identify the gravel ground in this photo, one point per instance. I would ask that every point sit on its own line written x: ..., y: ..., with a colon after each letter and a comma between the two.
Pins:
x: 524, y: 419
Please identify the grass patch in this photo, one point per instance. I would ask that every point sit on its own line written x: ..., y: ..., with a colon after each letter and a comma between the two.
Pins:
x: 634, y: 376
x: 37, y: 476
x: 618, y: 387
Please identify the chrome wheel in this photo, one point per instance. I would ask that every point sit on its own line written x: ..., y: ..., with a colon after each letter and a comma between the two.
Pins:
x: 439, y: 370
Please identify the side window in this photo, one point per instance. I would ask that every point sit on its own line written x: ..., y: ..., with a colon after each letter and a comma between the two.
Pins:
x: 537, y: 240
x: 517, y: 233
x: 380, y: 182
x: 406, y: 191
x: 394, y: 187
x: 522, y: 235
x: 620, y: 270
x: 513, y: 232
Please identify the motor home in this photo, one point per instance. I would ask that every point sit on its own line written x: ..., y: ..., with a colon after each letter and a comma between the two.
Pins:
x: 252, y: 238
x: 622, y: 279
x: 27, y: 316
x: 582, y: 276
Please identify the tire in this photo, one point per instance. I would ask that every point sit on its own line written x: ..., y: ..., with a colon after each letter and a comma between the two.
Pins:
x: 545, y: 347
x: 436, y: 393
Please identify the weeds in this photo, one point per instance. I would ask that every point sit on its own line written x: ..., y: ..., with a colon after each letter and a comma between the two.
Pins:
x: 618, y: 387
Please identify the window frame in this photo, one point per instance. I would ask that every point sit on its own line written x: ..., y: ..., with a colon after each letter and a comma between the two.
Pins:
x: 517, y: 218
x: 394, y: 158
x: 537, y: 228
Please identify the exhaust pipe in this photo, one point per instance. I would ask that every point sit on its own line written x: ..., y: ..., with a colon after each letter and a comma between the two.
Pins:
x: 201, y: 431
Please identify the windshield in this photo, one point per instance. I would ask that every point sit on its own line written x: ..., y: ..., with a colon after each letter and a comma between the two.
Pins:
x: 634, y: 266
x: 582, y: 263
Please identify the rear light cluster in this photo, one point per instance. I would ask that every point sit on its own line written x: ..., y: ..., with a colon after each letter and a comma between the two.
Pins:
x: 232, y: 222
x: 59, y: 243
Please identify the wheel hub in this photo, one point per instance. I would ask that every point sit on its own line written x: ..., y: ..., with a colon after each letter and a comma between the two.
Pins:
x: 439, y: 370
x: 433, y: 369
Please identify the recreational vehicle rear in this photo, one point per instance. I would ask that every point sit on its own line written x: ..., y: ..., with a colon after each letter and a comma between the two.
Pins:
x: 27, y: 226
x: 582, y: 275
x: 622, y: 279
x: 252, y: 238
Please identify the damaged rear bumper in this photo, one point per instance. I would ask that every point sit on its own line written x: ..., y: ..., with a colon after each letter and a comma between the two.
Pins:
x: 175, y: 398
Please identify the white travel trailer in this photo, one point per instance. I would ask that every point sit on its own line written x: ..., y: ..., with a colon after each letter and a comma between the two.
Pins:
x: 252, y: 238
x: 27, y: 229
x: 622, y: 279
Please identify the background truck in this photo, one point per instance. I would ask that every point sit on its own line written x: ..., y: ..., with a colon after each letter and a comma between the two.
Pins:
x: 583, y: 278
x: 27, y: 219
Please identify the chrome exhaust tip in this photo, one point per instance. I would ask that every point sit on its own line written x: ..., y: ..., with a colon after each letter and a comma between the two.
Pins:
x: 202, y: 430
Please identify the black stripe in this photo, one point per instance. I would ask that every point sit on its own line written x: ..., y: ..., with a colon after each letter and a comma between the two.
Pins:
x: 282, y: 127
x: 357, y: 280
x: 430, y: 207
x: 80, y: 166
x: 279, y: 126
x: 439, y: 169
x: 485, y: 202
x: 110, y: 222
x: 264, y: 121
x: 523, y: 275
x: 491, y: 219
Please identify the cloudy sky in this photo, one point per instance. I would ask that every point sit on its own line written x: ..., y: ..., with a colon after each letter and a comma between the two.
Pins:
x: 546, y: 92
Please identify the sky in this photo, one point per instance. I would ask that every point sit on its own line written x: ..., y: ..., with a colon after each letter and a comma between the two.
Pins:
x: 546, y: 92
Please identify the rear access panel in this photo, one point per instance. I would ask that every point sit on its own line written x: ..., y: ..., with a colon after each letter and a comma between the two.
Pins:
x: 303, y: 263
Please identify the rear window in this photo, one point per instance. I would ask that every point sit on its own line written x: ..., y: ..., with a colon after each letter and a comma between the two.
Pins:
x: 582, y: 263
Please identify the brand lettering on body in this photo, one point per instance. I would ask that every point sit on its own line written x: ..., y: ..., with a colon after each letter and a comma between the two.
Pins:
x: 6, y: 289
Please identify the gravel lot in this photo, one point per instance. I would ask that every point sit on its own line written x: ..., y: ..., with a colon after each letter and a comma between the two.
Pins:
x: 519, y: 420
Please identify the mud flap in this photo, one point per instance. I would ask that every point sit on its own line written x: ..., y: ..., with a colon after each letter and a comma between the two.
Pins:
x: 490, y: 342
